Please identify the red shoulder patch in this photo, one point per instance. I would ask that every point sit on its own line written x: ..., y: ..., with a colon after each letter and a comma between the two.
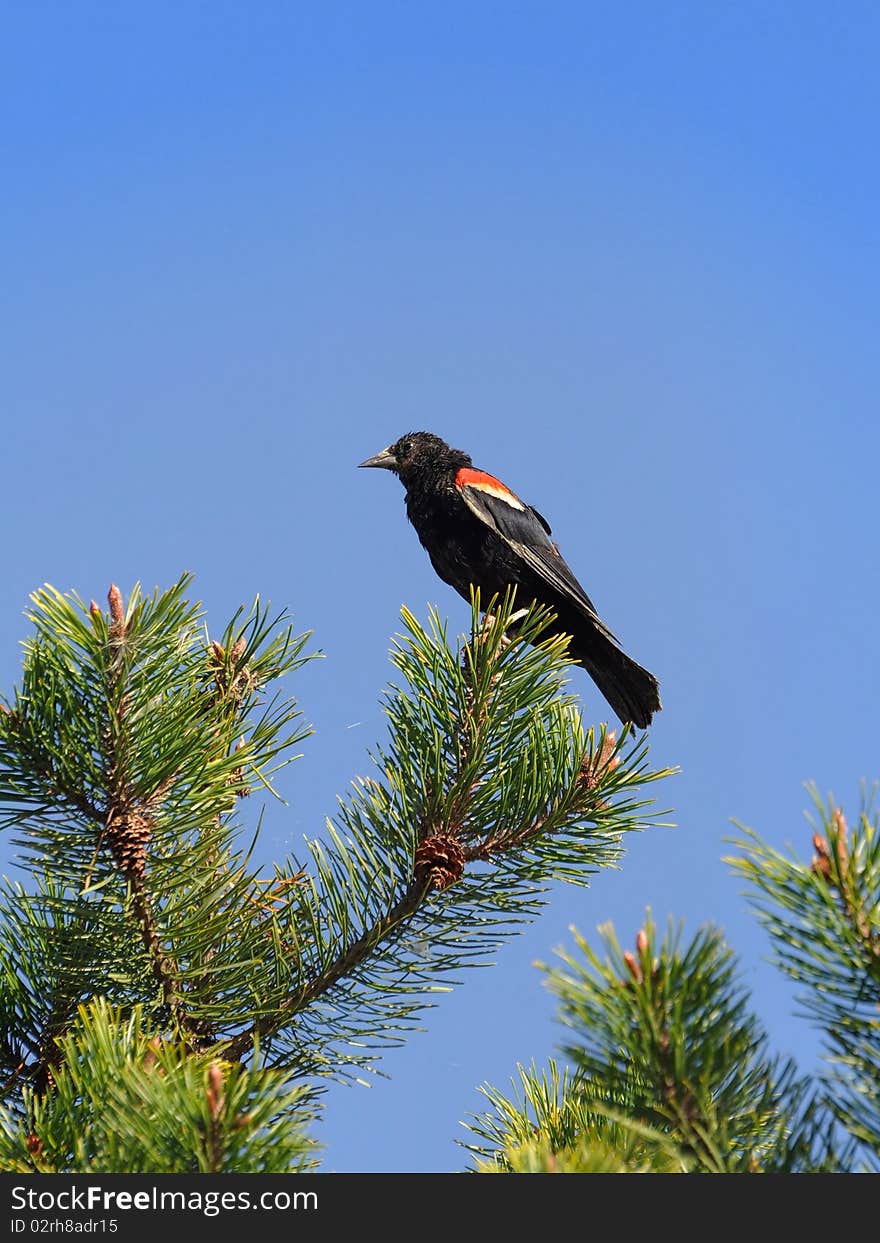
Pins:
x: 470, y: 478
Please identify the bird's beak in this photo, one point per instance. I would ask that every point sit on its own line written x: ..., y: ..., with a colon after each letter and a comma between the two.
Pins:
x: 385, y: 459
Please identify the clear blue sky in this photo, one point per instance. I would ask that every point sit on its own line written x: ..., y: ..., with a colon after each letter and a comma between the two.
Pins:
x: 624, y: 254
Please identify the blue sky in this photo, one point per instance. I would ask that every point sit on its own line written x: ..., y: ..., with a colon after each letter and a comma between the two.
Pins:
x: 626, y: 255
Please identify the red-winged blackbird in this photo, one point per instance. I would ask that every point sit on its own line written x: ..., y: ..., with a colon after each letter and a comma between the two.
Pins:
x: 477, y: 532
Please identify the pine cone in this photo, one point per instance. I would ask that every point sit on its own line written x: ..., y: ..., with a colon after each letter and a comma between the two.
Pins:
x: 128, y: 836
x: 597, y: 763
x: 439, y: 860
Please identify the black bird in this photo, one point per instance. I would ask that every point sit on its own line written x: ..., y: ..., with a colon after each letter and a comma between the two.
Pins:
x: 477, y: 532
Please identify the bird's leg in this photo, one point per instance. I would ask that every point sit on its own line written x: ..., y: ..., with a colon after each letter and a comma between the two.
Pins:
x: 512, y: 628
x: 490, y: 621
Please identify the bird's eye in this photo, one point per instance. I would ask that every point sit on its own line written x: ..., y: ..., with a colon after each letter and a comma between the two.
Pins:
x: 406, y: 448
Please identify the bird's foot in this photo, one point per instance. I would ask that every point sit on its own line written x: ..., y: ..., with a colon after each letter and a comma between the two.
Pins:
x: 490, y: 621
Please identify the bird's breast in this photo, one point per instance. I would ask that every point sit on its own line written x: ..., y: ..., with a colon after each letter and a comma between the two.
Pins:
x: 464, y: 551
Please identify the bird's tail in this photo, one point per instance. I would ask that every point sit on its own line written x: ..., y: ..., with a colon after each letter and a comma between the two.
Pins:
x: 632, y: 692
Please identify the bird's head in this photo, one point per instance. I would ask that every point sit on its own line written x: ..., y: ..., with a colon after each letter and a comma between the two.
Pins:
x: 418, y: 453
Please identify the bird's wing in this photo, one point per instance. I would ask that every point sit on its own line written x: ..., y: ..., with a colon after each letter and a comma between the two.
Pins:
x: 526, y: 532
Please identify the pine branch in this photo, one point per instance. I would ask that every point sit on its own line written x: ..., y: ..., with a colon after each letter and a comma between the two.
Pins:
x: 128, y: 823
x: 54, y: 948
x: 557, y: 1121
x: 666, y: 1029
x: 824, y: 920
x: 152, y: 737
x: 487, y: 763
x: 488, y: 790
x: 126, y: 1101
x: 369, y: 943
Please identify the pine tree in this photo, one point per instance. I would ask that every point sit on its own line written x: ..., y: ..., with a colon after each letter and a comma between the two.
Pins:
x: 668, y: 1068
x: 169, y: 1005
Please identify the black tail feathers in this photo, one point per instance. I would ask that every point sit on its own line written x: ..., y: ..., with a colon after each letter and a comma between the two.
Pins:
x: 632, y: 692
